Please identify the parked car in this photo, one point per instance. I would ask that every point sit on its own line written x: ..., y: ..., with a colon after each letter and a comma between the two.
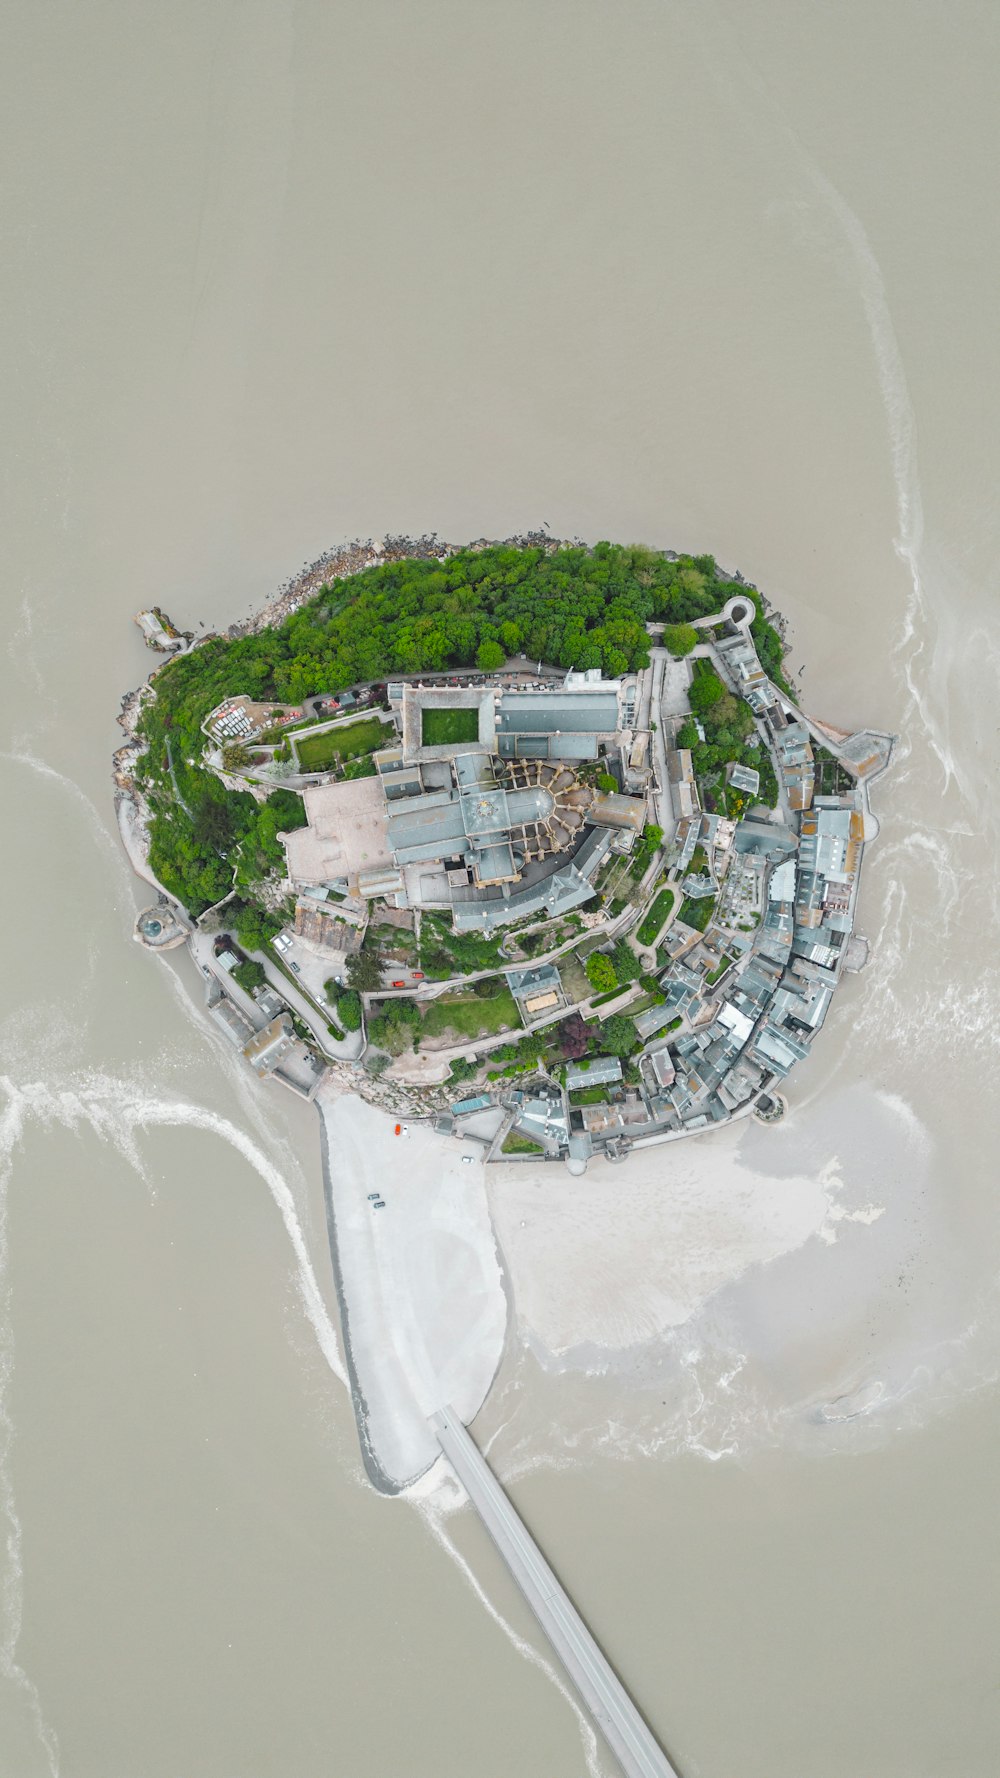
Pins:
x: 417, y: 974
x: 373, y: 1197
x: 468, y: 1159
x: 379, y: 1204
x: 399, y: 984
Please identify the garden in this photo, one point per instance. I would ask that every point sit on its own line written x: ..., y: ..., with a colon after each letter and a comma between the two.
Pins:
x: 317, y: 753
x: 449, y: 728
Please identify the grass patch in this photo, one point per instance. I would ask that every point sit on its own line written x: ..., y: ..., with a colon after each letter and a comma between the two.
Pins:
x: 471, y: 1015
x: 615, y: 994
x: 719, y: 970
x: 654, y: 919
x: 574, y: 981
x: 698, y: 913
x: 514, y: 1144
x: 589, y: 1096
x: 318, y: 752
x: 448, y: 728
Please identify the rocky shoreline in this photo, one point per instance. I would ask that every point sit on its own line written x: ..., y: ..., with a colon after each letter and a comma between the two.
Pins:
x: 353, y: 558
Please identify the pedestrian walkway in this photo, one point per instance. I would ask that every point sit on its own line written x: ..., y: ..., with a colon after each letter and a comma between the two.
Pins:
x: 630, y: 1740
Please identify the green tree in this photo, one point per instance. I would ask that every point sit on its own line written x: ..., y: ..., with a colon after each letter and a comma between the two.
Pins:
x: 364, y: 971
x: 706, y: 690
x: 348, y: 1006
x: 489, y: 656
x: 624, y: 961
x: 606, y: 783
x: 618, y: 1035
x: 680, y: 639
x: 254, y: 928
x: 601, y: 973
x: 687, y: 734
x: 249, y: 974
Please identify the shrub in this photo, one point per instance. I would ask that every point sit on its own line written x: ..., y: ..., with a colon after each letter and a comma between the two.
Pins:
x: 349, y: 1010
x: 601, y: 972
x: 250, y: 975
x: 606, y: 783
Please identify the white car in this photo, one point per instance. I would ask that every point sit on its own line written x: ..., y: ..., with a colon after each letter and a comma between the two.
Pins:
x: 467, y: 1159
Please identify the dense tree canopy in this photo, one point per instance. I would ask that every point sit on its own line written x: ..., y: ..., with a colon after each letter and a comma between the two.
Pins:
x: 572, y: 607
x: 618, y: 1036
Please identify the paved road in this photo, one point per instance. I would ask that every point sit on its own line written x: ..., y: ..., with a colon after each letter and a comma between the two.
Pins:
x: 639, y: 1755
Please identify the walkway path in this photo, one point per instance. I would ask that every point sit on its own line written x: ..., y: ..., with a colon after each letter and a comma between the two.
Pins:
x: 632, y: 1743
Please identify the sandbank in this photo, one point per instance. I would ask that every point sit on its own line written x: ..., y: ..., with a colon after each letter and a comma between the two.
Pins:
x: 420, y: 1286
x: 610, y: 1261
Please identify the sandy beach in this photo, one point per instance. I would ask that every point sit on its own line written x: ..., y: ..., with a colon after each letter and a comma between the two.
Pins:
x: 606, y: 1263
x: 421, y: 1291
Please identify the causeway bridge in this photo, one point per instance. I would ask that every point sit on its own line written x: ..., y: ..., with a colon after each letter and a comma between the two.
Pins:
x: 637, y: 1751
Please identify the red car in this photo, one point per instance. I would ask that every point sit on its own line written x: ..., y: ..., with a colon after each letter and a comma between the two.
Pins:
x: 417, y: 974
x: 399, y: 984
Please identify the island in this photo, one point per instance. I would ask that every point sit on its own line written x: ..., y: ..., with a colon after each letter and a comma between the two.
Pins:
x: 527, y: 838
x: 516, y: 853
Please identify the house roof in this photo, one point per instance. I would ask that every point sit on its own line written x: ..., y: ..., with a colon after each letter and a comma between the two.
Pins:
x: 600, y: 1071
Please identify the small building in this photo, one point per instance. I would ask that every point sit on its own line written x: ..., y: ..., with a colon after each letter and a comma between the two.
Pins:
x: 662, y: 1064
x: 793, y: 746
x: 374, y: 884
x: 699, y: 887
x: 479, y: 1102
x: 683, y: 788
x: 158, y: 632
x: 743, y: 778
x: 266, y: 1048
x: 537, y: 991
x: 229, y: 1017
x: 600, y: 1071
x: 542, y: 1117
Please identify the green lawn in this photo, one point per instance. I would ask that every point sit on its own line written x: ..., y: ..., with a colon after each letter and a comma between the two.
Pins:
x: 615, y: 994
x: 467, y: 1015
x: 447, y: 728
x: 719, y: 971
x: 650, y: 927
x: 316, y: 753
x: 513, y: 1144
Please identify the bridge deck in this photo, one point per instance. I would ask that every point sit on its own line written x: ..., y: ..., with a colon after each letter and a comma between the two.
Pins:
x: 639, y: 1755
